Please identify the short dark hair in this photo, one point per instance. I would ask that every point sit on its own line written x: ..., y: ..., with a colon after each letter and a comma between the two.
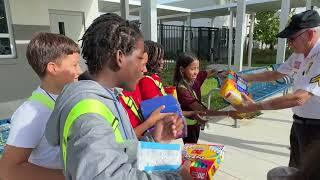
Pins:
x: 105, y: 36
x: 183, y: 60
x: 155, y: 53
x: 85, y: 76
x: 47, y: 47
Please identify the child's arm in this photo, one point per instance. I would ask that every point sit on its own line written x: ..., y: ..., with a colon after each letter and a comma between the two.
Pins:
x: 211, y: 73
x: 216, y: 73
x: 14, y: 165
x: 200, y: 107
x: 193, y: 113
x: 155, y: 116
x: 232, y: 114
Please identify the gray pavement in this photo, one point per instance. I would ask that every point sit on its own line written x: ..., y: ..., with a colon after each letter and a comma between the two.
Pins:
x: 259, y: 144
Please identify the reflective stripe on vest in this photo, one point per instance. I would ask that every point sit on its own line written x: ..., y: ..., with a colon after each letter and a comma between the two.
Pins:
x: 193, y: 92
x: 158, y: 84
x: 133, y: 106
x: 86, y: 106
x: 191, y: 121
x: 42, y: 99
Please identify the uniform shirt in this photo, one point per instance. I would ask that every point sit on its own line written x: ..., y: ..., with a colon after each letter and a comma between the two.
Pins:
x: 27, y: 131
x: 148, y: 88
x: 306, y: 74
x: 135, y: 95
x: 185, y: 97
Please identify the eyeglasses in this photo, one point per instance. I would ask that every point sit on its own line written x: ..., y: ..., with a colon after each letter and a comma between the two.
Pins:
x: 291, y: 39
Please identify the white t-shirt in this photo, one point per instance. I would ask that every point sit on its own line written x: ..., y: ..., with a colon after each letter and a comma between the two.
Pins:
x: 27, y: 131
x: 306, y: 74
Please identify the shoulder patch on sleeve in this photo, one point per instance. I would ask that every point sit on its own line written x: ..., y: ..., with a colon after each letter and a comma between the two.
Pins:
x: 315, y: 79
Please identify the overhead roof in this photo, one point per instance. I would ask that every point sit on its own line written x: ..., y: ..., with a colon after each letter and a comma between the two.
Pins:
x: 134, y: 6
x: 179, y: 9
x: 251, y: 6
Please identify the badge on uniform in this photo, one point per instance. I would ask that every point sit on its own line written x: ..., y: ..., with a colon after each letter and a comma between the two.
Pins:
x: 297, y: 64
x: 309, y: 66
x: 315, y: 79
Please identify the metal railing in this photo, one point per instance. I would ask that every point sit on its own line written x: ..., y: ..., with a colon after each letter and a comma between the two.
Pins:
x: 206, y: 42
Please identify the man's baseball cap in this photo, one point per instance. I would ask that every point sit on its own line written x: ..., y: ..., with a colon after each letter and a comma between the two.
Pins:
x: 304, y: 20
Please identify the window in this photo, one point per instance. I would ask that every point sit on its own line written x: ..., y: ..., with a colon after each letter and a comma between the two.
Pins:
x: 7, y: 48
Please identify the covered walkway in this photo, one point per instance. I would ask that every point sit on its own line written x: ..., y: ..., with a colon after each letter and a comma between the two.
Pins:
x: 185, y: 10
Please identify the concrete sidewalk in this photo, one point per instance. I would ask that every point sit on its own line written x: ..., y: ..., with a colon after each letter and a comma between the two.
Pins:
x: 259, y: 144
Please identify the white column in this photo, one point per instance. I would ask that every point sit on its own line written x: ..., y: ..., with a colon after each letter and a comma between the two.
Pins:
x: 230, y: 43
x: 211, y: 41
x: 284, y: 17
x: 240, y: 33
x: 308, y: 4
x: 124, y: 8
x: 188, y: 33
x: 159, y: 32
x: 252, y: 18
x: 149, y: 19
x: 184, y: 34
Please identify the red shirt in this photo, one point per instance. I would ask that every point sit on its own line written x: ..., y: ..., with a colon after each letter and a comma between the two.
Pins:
x: 148, y: 88
x: 135, y: 95
x: 185, y: 97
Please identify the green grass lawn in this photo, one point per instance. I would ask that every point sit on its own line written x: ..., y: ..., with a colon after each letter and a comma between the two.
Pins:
x: 217, y: 102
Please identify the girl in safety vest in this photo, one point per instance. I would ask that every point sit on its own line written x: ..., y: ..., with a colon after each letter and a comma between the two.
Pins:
x: 188, y: 80
x: 131, y: 102
x: 150, y: 85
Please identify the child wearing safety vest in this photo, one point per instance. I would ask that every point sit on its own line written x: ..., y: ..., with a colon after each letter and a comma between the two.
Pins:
x: 150, y: 85
x: 55, y: 58
x: 90, y: 124
x: 188, y: 80
x: 131, y: 102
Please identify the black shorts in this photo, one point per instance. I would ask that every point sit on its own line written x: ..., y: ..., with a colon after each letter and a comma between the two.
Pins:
x: 303, y: 134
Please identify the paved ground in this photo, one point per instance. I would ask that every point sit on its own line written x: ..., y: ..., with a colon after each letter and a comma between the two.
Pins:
x: 256, y: 147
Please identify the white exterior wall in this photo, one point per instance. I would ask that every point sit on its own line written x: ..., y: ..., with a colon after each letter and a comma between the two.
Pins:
x: 28, y: 17
x: 221, y: 21
x: 89, y: 7
x: 25, y: 13
x: 30, y: 12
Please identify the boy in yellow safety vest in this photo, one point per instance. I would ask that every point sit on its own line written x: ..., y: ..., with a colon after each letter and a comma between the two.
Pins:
x: 55, y: 59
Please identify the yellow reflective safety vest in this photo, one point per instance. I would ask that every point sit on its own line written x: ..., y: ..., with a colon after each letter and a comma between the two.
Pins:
x: 87, y: 106
x: 158, y: 84
x: 128, y: 100
x: 42, y: 99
